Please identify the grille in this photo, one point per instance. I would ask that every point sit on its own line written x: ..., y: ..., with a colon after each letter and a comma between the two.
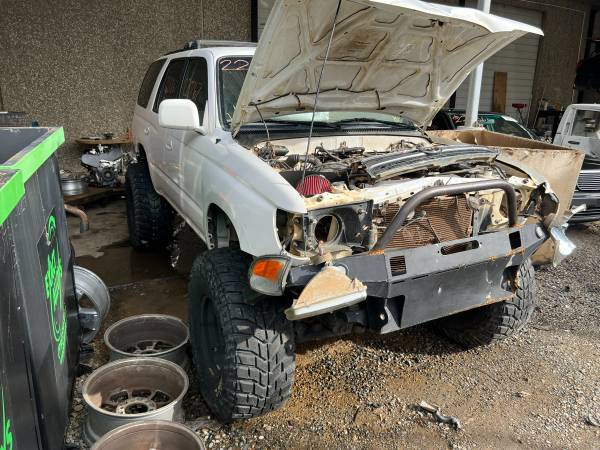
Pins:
x: 591, y: 213
x: 589, y: 181
x: 441, y: 219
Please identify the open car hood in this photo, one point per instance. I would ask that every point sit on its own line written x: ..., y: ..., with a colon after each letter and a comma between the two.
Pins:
x: 403, y: 57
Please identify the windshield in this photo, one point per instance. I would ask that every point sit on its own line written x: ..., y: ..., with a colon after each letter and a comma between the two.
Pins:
x: 233, y: 71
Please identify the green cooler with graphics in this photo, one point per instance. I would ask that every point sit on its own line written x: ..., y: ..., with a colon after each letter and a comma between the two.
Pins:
x: 39, y: 327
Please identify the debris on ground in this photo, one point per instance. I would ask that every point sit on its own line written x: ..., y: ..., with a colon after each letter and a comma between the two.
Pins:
x: 523, y: 394
x: 591, y: 420
x: 437, y: 413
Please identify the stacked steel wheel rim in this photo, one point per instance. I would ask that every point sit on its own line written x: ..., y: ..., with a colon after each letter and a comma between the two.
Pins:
x: 90, y: 288
x: 149, y: 335
x: 150, y: 434
x: 131, y: 390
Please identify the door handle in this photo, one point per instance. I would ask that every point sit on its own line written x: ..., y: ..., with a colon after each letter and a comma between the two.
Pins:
x: 147, y: 130
x: 169, y: 145
x: 574, y: 142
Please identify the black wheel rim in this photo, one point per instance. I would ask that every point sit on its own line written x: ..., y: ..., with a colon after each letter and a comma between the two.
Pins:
x: 211, y: 349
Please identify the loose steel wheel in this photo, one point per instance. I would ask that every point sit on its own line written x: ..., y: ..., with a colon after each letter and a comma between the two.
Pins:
x: 156, y: 434
x: 151, y: 335
x: 130, y: 390
x: 94, y: 301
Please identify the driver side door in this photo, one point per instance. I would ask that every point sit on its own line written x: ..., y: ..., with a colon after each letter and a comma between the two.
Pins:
x: 166, y: 143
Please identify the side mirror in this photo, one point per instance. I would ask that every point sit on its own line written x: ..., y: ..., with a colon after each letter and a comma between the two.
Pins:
x: 179, y: 114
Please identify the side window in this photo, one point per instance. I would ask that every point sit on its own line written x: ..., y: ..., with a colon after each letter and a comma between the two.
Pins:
x: 587, y: 124
x: 195, y: 84
x: 149, y: 81
x: 169, y: 86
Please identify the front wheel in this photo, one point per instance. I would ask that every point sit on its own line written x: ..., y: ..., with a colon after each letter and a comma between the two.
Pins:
x: 243, y: 346
x: 498, y: 321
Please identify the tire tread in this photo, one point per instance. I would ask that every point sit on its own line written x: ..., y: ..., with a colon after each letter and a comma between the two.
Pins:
x: 259, y: 341
x: 149, y: 216
x: 498, y: 321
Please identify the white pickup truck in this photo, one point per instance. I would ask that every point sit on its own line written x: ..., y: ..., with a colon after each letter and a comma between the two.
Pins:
x: 579, y: 129
x: 302, y: 165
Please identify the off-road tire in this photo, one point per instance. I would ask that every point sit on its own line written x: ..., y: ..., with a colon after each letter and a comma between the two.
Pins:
x: 149, y: 216
x: 242, y: 344
x: 498, y: 321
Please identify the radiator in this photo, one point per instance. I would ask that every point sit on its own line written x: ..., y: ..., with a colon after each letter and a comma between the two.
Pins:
x: 441, y: 219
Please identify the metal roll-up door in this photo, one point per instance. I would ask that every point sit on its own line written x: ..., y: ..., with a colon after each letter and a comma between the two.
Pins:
x: 264, y: 8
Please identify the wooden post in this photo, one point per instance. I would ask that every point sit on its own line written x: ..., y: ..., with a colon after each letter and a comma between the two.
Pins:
x: 499, y: 100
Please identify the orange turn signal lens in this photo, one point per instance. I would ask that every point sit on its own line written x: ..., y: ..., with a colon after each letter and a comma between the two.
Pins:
x: 268, y: 268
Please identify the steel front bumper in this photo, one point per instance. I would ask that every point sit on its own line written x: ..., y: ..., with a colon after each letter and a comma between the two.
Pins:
x: 405, y: 287
x: 417, y: 285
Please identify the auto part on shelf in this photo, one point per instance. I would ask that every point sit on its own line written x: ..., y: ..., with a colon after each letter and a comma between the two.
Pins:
x: 151, y: 335
x: 93, y: 299
x: 106, y: 164
x: 84, y: 225
x: 129, y: 390
x: 155, y: 434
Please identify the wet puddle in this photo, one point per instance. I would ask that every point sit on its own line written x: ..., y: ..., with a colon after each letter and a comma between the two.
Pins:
x: 120, y: 265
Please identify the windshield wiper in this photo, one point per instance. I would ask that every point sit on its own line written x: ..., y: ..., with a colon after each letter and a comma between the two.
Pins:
x: 390, y: 123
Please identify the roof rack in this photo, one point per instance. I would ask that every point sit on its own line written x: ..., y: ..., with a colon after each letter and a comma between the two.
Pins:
x: 192, y: 45
x: 198, y: 43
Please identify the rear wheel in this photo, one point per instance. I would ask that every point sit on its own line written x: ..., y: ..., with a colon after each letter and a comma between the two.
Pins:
x: 243, y: 345
x: 149, y: 216
x: 498, y: 321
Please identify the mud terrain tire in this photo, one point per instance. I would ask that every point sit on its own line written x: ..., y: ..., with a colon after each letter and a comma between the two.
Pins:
x: 149, y: 216
x: 243, y: 346
x: 498, y: 321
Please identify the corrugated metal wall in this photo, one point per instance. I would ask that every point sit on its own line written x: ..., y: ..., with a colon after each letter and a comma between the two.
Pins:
x: 518, y: 60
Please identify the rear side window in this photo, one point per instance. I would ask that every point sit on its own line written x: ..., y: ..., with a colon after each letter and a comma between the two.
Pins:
x: 171, y: 82
x: 195, y: 84
x: 149, y: 81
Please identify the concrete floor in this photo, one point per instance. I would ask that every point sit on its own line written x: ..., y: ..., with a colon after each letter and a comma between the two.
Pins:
x: 140, y: 282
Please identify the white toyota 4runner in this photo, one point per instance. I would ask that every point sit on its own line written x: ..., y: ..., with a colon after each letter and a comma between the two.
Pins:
x: 349, y: 219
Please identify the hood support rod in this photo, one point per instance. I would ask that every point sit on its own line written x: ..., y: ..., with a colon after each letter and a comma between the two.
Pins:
x: 314, y: 112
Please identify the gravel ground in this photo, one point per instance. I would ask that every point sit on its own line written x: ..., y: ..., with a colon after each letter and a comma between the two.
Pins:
x: 540, y: 389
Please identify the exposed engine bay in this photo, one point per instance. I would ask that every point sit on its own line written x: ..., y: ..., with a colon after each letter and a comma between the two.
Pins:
x: 352, y: 194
